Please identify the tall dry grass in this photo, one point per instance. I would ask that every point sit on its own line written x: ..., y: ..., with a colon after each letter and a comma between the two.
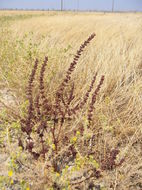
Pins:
x: 116, y: 51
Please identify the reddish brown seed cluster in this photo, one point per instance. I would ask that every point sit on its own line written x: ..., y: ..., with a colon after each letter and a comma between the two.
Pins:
x: 37, y: 106
x: 109, y: 163
x: 59, y: 94
x: 90, y: 112
x: 28, y: 128
x: 80, y: 105
x: 75, y: 61
x: 41, y: 80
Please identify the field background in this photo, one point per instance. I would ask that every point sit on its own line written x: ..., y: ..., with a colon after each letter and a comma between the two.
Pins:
x: 116, y: 52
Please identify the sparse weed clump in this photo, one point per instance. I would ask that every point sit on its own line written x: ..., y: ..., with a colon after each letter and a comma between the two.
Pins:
x: 50, y: 130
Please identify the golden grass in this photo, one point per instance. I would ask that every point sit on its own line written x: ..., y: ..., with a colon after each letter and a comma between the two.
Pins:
x: 116, y: 50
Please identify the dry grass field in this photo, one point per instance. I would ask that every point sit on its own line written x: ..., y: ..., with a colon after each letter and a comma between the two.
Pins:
x: 116, y: 53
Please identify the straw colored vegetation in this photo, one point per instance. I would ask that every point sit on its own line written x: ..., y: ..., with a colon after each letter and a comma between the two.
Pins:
x: 112, y: 159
